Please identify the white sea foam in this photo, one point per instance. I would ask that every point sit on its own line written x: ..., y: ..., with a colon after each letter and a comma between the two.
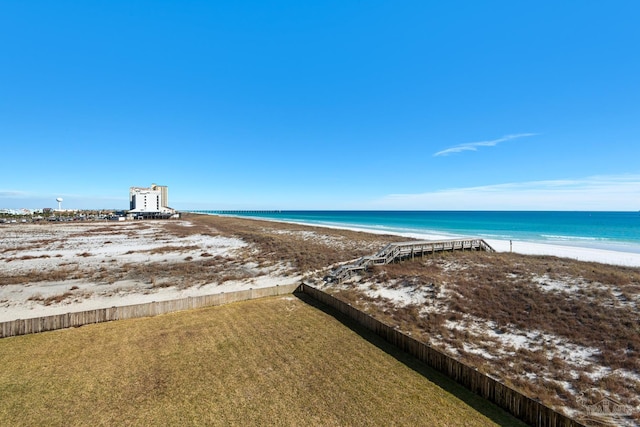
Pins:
x: 604, y: 256
x: 582, y: 249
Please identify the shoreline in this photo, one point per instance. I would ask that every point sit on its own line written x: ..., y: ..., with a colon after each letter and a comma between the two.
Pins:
x: 127, y: 245
x: 524, y: 247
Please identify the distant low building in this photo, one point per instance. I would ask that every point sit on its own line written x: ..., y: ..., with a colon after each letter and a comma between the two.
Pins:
x: 20, y: 212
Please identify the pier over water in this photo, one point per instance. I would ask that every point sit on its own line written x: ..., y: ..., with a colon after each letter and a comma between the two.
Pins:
x: 236, y: 212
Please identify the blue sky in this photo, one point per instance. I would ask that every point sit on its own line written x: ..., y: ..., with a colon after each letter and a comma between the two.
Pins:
x: 321, y: 104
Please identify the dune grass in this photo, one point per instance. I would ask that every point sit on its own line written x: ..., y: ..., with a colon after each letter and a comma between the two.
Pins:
x: 278, y: 241
x: 594, y: 306
x: 276, y: 361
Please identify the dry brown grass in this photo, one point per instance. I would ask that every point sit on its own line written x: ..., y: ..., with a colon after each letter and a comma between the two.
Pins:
x: 56, y: 299
x: 26, y: 257
x: 599, y: 311
x: 172, y: 249
x: 64, y: 273
x: 270, y: 244
x: 283, y: 242
x: 181, y: 274
x: 267, y: 362
x: 29, y: 247
x: 178, y: 229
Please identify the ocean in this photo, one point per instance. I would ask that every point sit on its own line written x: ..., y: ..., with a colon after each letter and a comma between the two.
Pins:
x: 618, y: 231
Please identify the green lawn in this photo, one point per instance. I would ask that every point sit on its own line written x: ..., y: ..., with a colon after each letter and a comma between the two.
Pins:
x: 276, y: 361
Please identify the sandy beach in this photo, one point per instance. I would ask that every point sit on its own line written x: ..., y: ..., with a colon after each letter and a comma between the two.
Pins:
x: 573, y: 252
x: 33, y: 253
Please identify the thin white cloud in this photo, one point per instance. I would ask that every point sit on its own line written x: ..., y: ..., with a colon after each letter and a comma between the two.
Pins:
x: 5, y: 194
x: 473, y: 146
x: 602, y: 193
x: 28, y: 194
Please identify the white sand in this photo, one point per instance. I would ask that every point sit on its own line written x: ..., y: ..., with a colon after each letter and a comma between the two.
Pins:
x: 22, y: 250
x: 604, y: 256
x: 29, y: 309
x: 88, y: 247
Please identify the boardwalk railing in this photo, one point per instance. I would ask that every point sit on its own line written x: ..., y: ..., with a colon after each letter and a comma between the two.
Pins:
x: 69, y: 320
x: 528, y: 410
x: 404, y: 250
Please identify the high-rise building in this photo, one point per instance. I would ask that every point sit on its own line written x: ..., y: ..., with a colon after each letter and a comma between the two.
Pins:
x: 164, y: 194
x: 149, y: 200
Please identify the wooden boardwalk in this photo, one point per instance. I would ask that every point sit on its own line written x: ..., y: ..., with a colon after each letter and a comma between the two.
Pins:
x: 405, y: 250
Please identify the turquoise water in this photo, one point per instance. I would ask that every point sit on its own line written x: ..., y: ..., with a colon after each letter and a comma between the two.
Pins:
x: 604, y: 230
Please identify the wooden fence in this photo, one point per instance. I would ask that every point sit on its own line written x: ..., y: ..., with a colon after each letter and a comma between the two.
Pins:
x: 68, y: 320
x: 522, y: 407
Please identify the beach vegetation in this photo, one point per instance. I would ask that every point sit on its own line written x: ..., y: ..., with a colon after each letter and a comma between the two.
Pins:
x: 550, y: 326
